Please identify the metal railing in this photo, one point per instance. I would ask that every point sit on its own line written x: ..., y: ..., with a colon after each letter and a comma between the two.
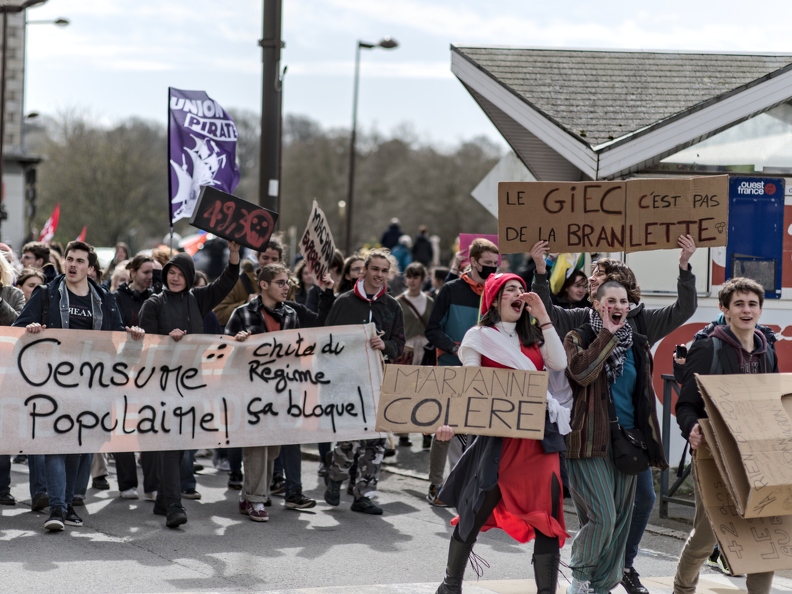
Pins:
x: 667, y: 492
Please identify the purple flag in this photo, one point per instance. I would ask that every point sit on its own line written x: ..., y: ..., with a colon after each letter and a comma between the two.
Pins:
x: 202, y: 141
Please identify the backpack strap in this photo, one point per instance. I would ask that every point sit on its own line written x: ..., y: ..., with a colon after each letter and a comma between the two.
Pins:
x: 717, y: 344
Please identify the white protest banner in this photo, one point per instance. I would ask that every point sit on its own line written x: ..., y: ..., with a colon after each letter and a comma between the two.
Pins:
x: 80, y: 391
x: 317, y: 245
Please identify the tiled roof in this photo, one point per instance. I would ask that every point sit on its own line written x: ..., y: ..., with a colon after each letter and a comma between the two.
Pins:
x: 600, y: 96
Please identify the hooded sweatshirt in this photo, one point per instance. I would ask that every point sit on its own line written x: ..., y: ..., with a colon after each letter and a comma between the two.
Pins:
x: 186, y: 309
x: 748, y: 362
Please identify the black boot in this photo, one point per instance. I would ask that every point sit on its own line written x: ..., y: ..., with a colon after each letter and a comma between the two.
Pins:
x: 458, y: 553
x: 546, y: 572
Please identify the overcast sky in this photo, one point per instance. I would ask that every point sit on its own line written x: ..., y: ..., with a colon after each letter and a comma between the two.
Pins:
x: 117, y: 58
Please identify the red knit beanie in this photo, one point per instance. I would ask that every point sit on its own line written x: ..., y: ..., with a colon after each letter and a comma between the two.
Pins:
x: 493, y: 286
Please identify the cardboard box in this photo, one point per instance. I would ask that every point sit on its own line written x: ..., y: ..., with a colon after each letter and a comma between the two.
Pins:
x: 749, y: 545
x: 751, y: 419
x: 636, y: 215
x: 473, y: 400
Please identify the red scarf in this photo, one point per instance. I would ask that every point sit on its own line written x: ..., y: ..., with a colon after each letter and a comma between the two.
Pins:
x: 360, y: 292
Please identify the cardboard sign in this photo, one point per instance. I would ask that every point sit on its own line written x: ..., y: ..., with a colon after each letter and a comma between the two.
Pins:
x: 233, y: 219
x: 465, y: 239
x: 473, y: 400
x: 81, y: 391
x: 317, y: 245
x: 750, y: 545
x: 624, y: 216
x: 752, y: 430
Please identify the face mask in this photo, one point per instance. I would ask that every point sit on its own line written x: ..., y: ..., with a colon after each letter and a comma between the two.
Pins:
x: 486, y: 271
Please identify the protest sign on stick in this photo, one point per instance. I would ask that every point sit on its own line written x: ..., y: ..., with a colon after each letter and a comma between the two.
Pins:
x: 317, y: 245
x: 619, y: 216
x: 473, y: 400
x: 80, y: 392
x: 233, y: 218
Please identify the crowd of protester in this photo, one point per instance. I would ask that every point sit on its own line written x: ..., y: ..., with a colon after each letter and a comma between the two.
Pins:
x: 592, y: 334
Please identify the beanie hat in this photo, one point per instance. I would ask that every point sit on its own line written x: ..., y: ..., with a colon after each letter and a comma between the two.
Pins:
x: 493, y: 286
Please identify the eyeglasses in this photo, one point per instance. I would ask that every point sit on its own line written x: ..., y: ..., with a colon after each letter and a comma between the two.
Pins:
x: 281, y: 283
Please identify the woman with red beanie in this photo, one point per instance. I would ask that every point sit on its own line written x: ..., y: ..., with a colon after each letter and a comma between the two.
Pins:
x: 491, y: 486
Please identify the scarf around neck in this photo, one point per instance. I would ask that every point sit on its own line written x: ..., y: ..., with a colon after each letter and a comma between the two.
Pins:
x: 614, y: 366
x: 360, y: 291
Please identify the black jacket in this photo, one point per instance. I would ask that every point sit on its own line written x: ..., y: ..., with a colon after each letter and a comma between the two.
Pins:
x: 423, y: 251
x: 44, y: 307
x: 385, y: 312
x: 185, y: 310
x: 690, y: 406
x: 129, y: 303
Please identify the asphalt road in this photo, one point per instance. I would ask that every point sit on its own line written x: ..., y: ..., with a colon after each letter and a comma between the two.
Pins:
x: 123, y: 547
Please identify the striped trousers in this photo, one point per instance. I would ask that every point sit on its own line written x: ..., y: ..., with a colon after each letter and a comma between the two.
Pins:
x: 603, y: 497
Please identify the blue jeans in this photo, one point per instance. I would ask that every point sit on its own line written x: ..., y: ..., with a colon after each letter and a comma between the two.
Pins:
x: 37, y: 475
x: 642, y: 509
x: 61, y: 477
x: 291, y: 457
x: 83, y: 474
x: 186, y: 472
x: 5, y: 474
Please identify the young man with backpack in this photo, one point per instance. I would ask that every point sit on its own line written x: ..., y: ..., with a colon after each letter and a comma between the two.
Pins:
x: 736, y: 347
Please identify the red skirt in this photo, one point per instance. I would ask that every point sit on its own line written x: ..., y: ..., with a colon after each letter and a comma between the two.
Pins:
x: 526, y: 505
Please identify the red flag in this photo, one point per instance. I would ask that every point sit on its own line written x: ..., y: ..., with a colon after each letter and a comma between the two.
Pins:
x: 48, y: 232
x: 83, y: 233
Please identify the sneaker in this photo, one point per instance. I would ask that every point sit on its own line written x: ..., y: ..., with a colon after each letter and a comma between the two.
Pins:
x: 322, y: 469
x: 7, y: 499
x: 176, y: 516
x: 366, y: 506
x: 404, y: 442
x: 72, y: 519
x: 197, y: 468
x: 432, y: 496
x: 278, y: 485
x: 222, y: 465
x: 191, y: 494
x: 631, y: 583
x: 718, y: 562
x: 576, y: 587
x: 235, y: 481
x: 427, y: 442
x: 55, y: 523
x: 150, y: 495
x: 268, y: 502
x: 100, y: 483
x: 389, y: 453
x: 332, y: 494
x: 299, y: 501
x: 257, y: 513
x: 130, y: 494
x: 244, y: 505
x: 39, y: 502
x: 78, y: 500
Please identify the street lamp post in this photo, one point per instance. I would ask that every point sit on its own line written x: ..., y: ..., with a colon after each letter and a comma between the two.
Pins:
x: 7, y: 9
x: 385, y: 43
